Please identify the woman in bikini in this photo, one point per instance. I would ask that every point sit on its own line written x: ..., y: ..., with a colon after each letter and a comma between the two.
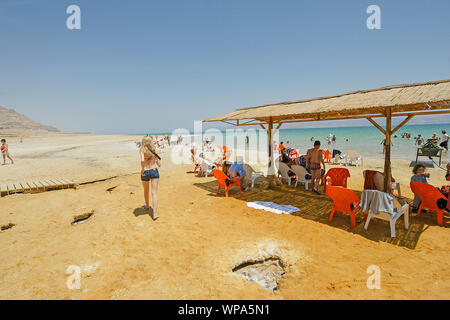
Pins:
x: 149, y: 172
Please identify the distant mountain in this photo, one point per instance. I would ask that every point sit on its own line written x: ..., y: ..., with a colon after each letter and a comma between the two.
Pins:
x: 12, y: 121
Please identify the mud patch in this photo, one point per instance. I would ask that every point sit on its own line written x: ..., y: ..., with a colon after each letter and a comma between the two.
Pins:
x: 8, y: 226
x: 81, y: 218
x: 265, y: 272
x: 111, y: 189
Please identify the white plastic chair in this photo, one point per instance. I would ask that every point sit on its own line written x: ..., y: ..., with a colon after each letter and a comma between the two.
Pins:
x: 392, y: 217
x: 353, y: 157
x: 284, y: 169
x: 205, y: 167
x: 256, y: 175
x: 301, y: 173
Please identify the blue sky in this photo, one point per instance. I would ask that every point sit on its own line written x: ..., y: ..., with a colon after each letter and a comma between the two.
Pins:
x: 151, y: 66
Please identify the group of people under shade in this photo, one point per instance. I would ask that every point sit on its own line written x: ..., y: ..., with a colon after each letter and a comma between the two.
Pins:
x: 231, y: 169
x: 312, y: 162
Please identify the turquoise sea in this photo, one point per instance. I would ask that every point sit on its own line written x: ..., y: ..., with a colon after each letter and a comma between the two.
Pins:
x: 365, y: 140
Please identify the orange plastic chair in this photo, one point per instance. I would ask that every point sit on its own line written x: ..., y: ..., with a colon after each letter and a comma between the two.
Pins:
x: 222, y: 177
x: 226, y: 152
x: 336, y: 177
x: 327, y: 155
x: 344, y: 200
x: 429, y: 196
x: 196, y: 165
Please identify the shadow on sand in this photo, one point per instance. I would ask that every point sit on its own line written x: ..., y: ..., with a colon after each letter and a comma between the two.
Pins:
x: 141, y: 211
x: 318, y: 208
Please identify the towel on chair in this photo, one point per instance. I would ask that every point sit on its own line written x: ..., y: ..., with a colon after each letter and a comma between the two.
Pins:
x: 273, y: 207
x: 377, y: 201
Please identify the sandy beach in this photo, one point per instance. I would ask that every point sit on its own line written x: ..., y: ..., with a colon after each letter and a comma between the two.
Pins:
x: 189, y: 253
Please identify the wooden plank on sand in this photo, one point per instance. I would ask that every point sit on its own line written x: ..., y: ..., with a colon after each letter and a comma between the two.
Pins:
x: 18, y: 187
x: 70, y: 183
x: 25, y: 186
x: 3, y: 189
x: 32, y: 186
x: 11, y: 188
x: 44, y: 183
x: 39, y: 185
x: 60, y: 183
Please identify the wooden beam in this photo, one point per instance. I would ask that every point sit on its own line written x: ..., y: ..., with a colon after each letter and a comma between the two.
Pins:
x: 226, y: 121
x: 402, y: 123
x: 262, y: 126
x: 278, y: 127
x: 376, y: 125
x: 292, y: 119
x: 387, y: 186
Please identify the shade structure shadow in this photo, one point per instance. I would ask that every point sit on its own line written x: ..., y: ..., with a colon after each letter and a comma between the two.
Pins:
x: 318, y: 207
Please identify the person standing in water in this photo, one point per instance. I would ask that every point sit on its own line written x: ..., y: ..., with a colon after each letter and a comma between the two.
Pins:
x: 444, y: 143
x: 149, y: 172
x: 384, y: 144
x: 419, y: 141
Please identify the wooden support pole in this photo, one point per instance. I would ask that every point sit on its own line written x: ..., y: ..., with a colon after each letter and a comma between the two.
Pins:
x: 271, y: 167
x: 387, y: 156
x: 272, y: 180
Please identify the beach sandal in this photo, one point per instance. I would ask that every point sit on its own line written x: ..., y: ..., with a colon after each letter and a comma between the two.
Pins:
x: 316, y: 191
x: 153, y: 217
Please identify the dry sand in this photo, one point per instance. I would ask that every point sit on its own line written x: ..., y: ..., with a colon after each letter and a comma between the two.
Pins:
x: 189, y: 253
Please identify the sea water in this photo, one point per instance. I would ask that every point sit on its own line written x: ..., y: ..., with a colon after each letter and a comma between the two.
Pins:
x: 365, y: 140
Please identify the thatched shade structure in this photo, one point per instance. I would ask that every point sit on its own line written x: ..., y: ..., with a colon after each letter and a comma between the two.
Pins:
x: 407, y: 100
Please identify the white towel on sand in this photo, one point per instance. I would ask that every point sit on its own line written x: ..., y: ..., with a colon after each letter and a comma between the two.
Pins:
x: 273, y: 207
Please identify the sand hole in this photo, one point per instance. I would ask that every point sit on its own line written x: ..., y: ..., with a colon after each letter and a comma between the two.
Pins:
x: 265, y: 272
x: 82, y: 217
x: 8, y: 226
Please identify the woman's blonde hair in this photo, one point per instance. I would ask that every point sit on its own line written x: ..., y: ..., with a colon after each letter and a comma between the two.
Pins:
x: 147, y: 143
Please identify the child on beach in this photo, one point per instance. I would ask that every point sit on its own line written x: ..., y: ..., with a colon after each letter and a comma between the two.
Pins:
x: 5, y: 152
x: 315, y: 155
x: 149, y: 172
x: 419, y: 176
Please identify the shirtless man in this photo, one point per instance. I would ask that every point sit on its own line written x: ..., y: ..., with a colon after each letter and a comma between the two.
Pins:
x: 315, y: 156
x: 5, y: 152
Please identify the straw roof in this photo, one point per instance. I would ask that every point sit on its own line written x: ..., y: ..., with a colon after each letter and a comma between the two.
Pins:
x: 417, y: 98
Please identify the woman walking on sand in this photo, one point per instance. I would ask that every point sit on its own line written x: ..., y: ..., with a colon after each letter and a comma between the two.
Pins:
x: 150, y: 162
x: 5, y: 152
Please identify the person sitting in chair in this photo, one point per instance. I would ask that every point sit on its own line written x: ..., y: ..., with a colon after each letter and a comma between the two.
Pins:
x: 236, y: 170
